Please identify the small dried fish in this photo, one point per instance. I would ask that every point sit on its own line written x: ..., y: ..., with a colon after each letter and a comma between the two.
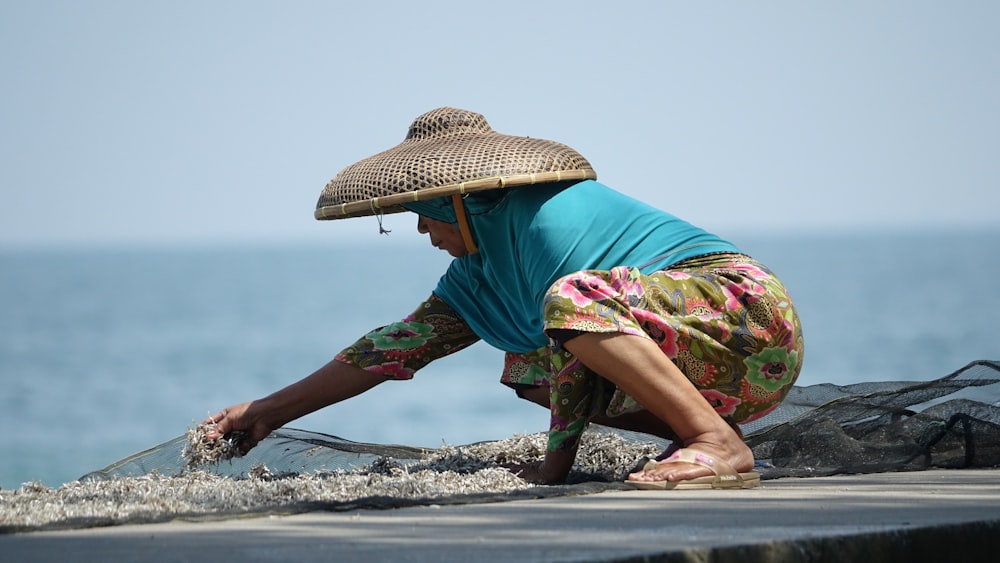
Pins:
x: 471, y: 469
x: 202, y: 451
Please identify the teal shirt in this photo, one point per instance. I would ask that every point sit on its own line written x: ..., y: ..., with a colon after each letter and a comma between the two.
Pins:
x: 534, y: 235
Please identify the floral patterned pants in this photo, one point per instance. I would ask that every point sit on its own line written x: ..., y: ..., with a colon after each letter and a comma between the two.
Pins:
x: 724, y: 319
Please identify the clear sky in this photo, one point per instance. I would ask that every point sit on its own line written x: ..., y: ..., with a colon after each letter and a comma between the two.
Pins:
x: 194, y: 122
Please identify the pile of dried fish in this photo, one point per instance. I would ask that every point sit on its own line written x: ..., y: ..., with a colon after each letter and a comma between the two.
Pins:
x: 446, y: 472
x: 201, y: 450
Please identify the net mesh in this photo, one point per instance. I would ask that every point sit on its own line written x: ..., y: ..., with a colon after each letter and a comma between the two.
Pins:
x: 287, y: 451
x: 951, y: 422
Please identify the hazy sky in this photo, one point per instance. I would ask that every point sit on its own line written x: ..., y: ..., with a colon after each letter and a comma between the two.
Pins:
x: 216, y: 121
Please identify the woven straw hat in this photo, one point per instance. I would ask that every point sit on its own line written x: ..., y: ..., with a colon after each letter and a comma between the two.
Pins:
x: 447, y: 151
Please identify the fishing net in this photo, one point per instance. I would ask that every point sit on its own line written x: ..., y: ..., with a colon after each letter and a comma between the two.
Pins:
x: 951, y: 422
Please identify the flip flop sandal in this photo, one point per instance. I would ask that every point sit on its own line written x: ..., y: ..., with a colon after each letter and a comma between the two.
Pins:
x: 644, y: 460
x: 725, y: 476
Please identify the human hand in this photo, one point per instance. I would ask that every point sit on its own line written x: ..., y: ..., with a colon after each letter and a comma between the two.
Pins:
x: 244, y: 418
x: 552, y: 471
x: 536, y: 473
x: 530, y: 472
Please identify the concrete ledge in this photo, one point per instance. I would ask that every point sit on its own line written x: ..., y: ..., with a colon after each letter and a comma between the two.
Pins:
x: 972, y: 541
x: 941, y: 515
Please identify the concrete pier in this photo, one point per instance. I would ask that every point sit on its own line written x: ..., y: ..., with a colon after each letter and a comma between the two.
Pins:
x: 938, y: 515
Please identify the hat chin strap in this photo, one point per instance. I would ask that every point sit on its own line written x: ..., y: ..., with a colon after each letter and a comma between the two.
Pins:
x: 463, y: 223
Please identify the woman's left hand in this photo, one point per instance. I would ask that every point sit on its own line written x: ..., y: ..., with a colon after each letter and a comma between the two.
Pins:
x: 552, y: 471
x: 534, y: 473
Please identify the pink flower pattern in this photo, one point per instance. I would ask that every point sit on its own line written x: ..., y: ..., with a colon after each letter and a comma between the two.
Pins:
x: 700, y: 312
x: 722, y: 403
x: 584, y: 289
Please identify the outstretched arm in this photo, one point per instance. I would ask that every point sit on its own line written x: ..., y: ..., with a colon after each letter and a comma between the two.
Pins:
x: 433, y: 330
x: 330, y: 384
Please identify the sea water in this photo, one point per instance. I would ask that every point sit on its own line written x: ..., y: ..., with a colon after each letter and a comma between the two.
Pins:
x: 105, y: 352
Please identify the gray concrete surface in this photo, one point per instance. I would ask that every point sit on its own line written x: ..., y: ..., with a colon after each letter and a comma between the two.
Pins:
x: 941, y: 515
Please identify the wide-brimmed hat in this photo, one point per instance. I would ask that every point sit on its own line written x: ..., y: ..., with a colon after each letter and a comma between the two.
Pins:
x: 447, y: 151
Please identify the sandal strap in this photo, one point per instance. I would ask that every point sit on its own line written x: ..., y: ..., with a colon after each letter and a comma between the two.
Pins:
x: 723, y: 470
